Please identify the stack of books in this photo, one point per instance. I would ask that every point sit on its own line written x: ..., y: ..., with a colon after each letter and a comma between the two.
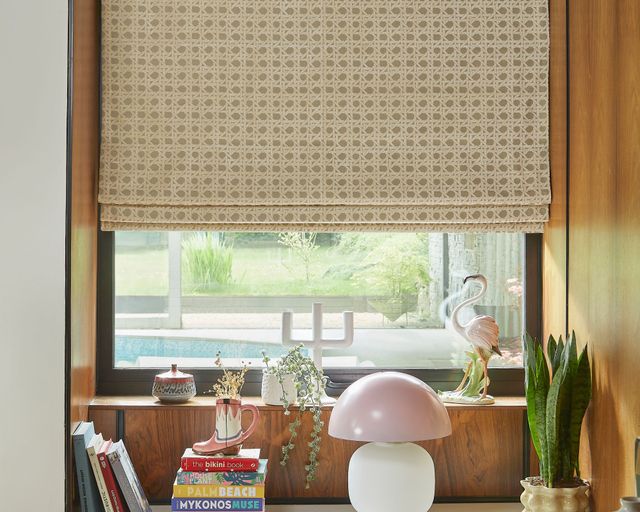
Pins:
x: 220, y: 482
x: 106, y: 477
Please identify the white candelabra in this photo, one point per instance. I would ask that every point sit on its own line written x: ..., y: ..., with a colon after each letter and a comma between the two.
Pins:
x: 317, y: 343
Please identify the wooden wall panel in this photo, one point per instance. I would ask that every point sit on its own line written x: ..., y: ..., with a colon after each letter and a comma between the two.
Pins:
x: 603, y: 226
x: 105, y: 421
x: 483, y: 457
x: 84, y: 209
x: 83, y: 217
x: 554, y: 248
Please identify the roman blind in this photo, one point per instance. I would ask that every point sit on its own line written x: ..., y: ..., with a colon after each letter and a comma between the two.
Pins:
x: 325, y: 115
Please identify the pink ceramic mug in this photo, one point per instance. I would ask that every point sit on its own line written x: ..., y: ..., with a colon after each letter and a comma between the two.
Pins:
x: 229, y: 421
x: 229, y: 436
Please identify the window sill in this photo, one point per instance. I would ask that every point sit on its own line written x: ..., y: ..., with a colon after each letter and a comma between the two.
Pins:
x: 149, y: 402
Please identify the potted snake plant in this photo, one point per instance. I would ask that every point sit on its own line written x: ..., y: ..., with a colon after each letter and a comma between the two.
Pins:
x: 558, y: 392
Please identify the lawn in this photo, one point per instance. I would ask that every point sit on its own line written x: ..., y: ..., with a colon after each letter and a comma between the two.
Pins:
x: 365, y: 264
x: 255, y: 271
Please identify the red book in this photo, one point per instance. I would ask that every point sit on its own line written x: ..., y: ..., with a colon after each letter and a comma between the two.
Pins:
x: 112, y: 488
x: 246, y: 460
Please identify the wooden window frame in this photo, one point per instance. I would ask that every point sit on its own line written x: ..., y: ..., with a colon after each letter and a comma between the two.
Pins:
x: 137, y: 381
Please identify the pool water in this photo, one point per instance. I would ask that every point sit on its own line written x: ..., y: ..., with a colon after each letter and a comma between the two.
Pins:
x: 129, y: 348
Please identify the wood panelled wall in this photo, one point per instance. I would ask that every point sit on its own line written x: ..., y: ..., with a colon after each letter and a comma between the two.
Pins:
x: 554, y: 248
x: 602, y: 227
x: 483, y: 458
x: 83, y: 213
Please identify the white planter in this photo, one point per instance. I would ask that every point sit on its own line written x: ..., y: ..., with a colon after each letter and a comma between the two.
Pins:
x: 272, y: 389
x: 538, y: 498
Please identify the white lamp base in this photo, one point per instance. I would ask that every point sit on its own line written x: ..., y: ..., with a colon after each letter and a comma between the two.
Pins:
x: 387, y: 477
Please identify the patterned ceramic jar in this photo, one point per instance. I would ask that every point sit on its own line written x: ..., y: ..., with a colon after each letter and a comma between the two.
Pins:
x: 174, y: 386
x: 538, y: 498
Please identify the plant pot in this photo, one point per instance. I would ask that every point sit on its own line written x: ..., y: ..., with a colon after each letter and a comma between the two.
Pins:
x: 629, y: 504
x: 273, y: 390
x: 538, y: 498
x: 394, y: 307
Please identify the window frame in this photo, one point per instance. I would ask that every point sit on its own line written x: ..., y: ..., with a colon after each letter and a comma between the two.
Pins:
x: 136, y: 381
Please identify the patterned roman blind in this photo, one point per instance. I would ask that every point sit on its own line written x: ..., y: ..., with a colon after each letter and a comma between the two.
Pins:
x: 325, y: 115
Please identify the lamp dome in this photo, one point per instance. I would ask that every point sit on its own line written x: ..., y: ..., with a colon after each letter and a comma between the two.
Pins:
x: 389, y: 407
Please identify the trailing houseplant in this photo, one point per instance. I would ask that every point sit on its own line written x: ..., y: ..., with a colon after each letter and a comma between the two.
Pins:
x: 309, y: 384
x: 558, y: 392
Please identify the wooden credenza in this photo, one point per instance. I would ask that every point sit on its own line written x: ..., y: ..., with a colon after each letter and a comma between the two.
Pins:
x: 484, y: 459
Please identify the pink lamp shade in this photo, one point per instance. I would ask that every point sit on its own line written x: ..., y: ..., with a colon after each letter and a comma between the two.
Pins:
x: 389, y: 407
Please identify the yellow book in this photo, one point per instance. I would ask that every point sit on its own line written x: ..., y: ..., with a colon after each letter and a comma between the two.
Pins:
x: 218, y: 491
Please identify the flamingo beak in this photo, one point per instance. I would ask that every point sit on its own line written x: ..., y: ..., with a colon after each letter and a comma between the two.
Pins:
x: 474, y: 276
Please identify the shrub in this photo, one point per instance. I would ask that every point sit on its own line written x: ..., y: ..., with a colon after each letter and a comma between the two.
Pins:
x: 208, y: 263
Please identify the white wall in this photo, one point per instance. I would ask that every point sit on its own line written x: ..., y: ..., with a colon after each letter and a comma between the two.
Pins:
x: 33, y: 81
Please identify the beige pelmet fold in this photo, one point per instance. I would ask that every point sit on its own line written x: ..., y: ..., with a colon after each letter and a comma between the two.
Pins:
x: 325, y: 115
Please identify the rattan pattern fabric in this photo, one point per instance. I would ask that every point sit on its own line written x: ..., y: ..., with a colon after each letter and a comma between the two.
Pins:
x: 325, y: 114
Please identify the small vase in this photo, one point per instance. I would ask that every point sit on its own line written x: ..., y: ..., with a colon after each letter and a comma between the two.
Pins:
x: 228, y: 435
x: 273, y: 391
x: 538, y: 498
x: 630, y: 504
x: 174, y: 386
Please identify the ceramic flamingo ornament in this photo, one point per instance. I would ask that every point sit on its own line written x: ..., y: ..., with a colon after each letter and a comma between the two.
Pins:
x: 482, y: 333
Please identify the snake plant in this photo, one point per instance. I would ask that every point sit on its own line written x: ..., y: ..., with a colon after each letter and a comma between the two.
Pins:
x: 558, y: 391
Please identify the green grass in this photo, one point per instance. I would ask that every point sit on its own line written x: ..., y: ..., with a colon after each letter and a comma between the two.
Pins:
x: 142, y: 272
x: 256, y: 271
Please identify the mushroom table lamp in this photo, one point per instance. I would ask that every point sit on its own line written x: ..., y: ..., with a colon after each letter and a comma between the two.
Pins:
x: 390, y: 411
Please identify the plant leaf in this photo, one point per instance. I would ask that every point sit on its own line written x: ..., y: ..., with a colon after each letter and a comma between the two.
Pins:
x: 540, y: 400
x: 581, y: 396
x: 555, y: 404
x: 552, y: 346
x: 557, y: 359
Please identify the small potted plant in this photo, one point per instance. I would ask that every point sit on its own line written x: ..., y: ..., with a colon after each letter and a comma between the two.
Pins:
x: 278, y: 386
x: 309, y: 385
x: 558, y: 392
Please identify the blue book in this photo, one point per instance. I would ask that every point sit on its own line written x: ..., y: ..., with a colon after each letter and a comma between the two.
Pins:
x: 229, y: 504
x: 87, y: 489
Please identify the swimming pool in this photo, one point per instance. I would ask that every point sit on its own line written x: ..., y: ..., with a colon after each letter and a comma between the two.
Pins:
x: 128, y: 349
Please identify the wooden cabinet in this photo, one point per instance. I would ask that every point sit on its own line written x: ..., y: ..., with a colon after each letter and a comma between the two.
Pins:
x: 485, y: 457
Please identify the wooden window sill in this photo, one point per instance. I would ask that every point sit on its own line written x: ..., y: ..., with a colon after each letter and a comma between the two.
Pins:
x: 149, y: 402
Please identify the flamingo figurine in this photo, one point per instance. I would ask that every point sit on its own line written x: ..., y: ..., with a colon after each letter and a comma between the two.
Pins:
x: 481, y: 332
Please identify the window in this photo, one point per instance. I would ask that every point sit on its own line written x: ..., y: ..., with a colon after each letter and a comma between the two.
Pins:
x: 186, y: 296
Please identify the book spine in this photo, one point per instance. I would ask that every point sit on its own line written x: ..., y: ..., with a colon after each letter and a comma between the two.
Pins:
x: 102, y: 488
x: 81, y: 471
x: 218, y: 491
x: 218, y: 464
x: 219, y: 478
x: 110, y: 483
x: 132, y: 476
x: 237, y: 505
x: 123, y: 481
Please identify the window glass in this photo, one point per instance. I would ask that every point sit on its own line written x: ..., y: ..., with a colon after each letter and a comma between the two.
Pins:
x: 184, y: 297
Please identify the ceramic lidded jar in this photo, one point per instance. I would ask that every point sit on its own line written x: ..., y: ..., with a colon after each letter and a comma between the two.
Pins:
x: 174, y: 386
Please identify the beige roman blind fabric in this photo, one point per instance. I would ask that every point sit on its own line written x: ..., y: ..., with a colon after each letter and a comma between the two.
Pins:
x: 324, y: 115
